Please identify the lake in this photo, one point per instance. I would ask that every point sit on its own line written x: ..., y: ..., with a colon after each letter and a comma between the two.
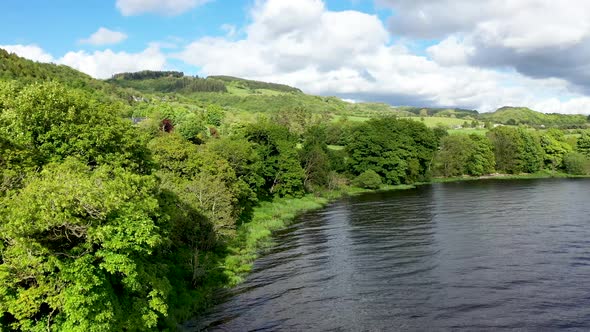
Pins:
x: 481, y: 255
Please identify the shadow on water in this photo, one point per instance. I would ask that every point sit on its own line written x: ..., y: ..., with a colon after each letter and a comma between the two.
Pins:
x: 466, y: 256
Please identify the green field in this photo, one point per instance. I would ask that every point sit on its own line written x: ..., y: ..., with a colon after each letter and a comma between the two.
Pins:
x: 436, y: 121
x: 467, y: 131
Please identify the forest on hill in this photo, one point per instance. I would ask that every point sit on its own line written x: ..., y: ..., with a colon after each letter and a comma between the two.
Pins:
x: 110, y: 224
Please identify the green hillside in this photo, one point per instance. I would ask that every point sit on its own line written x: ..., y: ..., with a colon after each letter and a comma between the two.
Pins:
x: 166, y: 82
x: 523, y: 115
x: 255, y: 85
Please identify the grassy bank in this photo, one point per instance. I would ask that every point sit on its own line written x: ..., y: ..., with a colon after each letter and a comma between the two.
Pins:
x: 545, y: 174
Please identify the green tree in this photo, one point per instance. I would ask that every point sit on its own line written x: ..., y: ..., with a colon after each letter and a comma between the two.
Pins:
x: 583, y: 144
x: 52, y: 123
x: 215, y: 115
x: 516, y: 150
x: 368, y: 179
x: 555, y: 147
x: 315, y: 159
x: 482, y: 159
x: 451, y: 159
x: 576, y: 163
x: 76, y: 246
x: 399, y: 150
x: 281, y: 169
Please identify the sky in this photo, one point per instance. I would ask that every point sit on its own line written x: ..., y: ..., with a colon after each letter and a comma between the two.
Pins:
x: 480, y: 55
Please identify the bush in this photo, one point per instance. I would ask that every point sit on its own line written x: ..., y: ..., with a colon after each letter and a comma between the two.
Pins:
x: 368, y: 180
x: 576, y: 163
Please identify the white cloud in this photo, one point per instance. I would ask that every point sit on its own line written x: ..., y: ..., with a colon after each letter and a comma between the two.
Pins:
x: 104, y: 36
x: 349, y: 54
x: 162, y: 7
x: 31, y: 52
x: 450, y: 52
x: 538, y: 38
x: 103, y: 64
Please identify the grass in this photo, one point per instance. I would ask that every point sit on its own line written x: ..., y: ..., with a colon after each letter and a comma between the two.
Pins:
x: 467, y: 131
x: 544, y: 174
x: 432, y: 121
x: 336, y: 147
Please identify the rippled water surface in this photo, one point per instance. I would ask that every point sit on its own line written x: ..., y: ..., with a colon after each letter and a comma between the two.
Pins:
x: 460, y: 256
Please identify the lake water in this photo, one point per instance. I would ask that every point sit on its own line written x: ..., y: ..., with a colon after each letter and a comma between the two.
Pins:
x: 483, y: 255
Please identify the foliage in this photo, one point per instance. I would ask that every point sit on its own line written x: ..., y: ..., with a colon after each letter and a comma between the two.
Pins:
x: 215, y: 115
x: 576, y: 163
x: 516, y: 150
x: 51, y: 123
x: 464, y: 155
x: 555, y: 148
x: 281, y: 169
x: 369, y: 179
x: 166, y: 82
x: 315, y: 158
x: 256, y: 84
x: 400, y: 151
x: 583, y: 144
x: 523, y: 115
x: 76, y: 251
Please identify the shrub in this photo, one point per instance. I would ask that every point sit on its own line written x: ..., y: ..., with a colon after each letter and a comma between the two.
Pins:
x: 576, y: 163
x: 368, y: 180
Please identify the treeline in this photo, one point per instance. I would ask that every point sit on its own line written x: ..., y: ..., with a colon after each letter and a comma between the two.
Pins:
x: 512, y: 150
x: 440, y: 112
x: 147, y: 74
x: 168, y: 83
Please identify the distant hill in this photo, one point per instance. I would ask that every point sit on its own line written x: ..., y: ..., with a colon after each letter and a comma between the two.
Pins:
x: 166, y: 82
x: 439, y: 112
x: 256, y: 85
x: 522, y: 115
x: 253, y: 96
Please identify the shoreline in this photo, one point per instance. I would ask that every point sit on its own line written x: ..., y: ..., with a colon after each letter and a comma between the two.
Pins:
x: 257, y: 235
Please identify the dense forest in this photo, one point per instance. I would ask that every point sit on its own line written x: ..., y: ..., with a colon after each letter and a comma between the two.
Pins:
x: 109, y: 224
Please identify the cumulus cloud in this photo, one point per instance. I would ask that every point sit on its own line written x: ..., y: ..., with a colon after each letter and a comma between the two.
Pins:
x: 31, y: 52
x: 538, y: 38
x: 162, y: 7
x: 98, y: 64
x: 104, y: 36
x: 103, y: 64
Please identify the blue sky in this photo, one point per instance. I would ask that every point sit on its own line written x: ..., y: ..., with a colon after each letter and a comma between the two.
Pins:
x: 475, y: 54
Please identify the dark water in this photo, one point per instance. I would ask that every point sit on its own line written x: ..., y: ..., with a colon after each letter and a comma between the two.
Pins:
x: 465, y: 256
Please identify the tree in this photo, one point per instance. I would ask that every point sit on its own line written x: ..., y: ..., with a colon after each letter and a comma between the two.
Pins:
x: 555, y: 147
x: 315, y: 159
x: 465, y: 155
x: 583, y: 144
x: 368, y: 180
x: 281, y: 169
x: 215, y: 115
x: 516, y: 150
x: 53, y: 123
x: 451, y: 159
x: 576, y: 163
x: 482, y: 159
x: 75, y: 248
x: 399, y: 150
